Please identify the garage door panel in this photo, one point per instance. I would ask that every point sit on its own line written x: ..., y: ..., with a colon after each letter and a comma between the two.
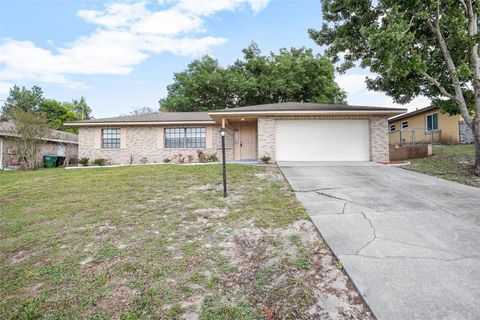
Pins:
x: 322, y: 140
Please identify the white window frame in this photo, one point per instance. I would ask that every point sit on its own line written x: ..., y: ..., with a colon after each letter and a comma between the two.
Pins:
x: 426, y: 122
x: 183, y: 134
x: 392, y: 128
x: 404, y: 124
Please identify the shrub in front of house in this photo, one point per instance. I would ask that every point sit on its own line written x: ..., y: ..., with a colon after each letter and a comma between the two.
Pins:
x: 167, y: 160
x: 265, y: 158
x: 212, y: 157
x: 100, y: 162
x: 83, y: 161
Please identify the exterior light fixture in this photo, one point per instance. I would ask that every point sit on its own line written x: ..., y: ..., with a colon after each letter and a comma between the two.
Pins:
x: 224, y: 164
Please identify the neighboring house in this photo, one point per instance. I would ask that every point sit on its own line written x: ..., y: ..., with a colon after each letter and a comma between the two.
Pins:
x: 428, y: 125
x: 284, y: 131
x: 56, y: 143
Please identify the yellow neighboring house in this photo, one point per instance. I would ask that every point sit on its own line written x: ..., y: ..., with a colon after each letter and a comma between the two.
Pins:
x: 428, y: 125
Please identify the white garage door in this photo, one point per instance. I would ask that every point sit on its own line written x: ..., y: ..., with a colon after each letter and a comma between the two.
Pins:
x: 322, y: 140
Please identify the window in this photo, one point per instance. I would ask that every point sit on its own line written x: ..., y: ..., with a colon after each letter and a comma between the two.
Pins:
x: 61, y: 150
x: 237, y: 136
x: 392, y: 128
x: 111, y: 138
x: 432, y: 122
x: 185, y: 138
x: 404, y: 124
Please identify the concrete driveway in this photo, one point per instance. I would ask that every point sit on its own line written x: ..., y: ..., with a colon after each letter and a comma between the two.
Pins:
x: 410, y: 242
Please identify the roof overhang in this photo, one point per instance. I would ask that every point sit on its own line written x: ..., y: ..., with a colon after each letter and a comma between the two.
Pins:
x: 135, y: 123
x: 13, y: 135
x: 218, y: 115
x: 412, y: 113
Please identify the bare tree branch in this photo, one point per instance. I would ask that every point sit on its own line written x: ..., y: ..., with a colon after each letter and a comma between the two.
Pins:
x: 452, y: 70
x: 439, y: 86
x: 464, y: 5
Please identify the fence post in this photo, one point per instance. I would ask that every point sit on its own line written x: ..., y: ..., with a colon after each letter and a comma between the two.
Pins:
x: 400, y: 137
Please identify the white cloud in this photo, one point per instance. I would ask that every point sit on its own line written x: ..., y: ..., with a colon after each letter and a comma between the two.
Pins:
x: 351, y: 83
x: 210, y: 7
x: 115, y: 15
x: 168, y: 22
x: 126, y: 35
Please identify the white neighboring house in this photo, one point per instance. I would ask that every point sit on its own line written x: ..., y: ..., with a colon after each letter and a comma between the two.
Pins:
x: 56, y: 143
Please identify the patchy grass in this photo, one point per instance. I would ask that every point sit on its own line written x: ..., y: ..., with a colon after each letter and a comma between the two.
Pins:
x: 161, y: 242
x: 454, y: 162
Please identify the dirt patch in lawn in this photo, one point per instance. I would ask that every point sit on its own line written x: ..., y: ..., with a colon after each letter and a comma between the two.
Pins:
x: 291, y: 271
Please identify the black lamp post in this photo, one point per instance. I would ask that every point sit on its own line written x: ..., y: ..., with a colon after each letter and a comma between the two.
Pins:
x: 224, y: 165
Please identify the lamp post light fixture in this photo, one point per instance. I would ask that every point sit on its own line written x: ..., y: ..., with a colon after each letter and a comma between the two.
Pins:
x: 224, y: 165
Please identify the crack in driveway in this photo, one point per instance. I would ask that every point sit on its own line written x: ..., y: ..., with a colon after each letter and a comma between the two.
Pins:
x: 374, y: 234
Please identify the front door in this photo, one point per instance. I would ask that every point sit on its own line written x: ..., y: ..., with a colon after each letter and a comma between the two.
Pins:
x: 248, y: 143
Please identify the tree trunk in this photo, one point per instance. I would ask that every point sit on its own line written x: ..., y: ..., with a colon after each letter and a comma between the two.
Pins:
x: 476, y: 138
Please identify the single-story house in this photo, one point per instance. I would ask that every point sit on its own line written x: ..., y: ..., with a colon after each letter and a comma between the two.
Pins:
x: 428, y: 125
x: 284, y: 131
x: 55, y: 143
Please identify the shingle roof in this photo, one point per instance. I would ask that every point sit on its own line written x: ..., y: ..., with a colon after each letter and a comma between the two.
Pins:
x: 7, y: 129
x: 412, y: 113
x: 154, y: 117
x: 179, y: 117
x: 305, y: 106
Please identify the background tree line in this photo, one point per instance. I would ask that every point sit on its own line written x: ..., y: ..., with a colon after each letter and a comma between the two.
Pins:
x: 295, y: 74
x: 54, y: 112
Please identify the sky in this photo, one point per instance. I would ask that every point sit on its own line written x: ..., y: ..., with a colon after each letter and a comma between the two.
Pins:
x: 121, y: 55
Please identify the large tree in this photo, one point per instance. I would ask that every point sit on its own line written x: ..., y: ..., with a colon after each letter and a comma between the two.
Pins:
x: 416, y: 47
x: 24, y: 99
x: 56, y: 112
x: 290, y: 75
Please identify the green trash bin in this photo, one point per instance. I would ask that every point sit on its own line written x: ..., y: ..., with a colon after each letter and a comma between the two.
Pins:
x: 50, y: 161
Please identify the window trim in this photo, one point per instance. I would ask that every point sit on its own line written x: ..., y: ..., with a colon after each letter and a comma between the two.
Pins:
x: 119, y: 139
x: 392, y: 128
x: 426, y: 122
x: 183, y: 137
x: 404, y: 124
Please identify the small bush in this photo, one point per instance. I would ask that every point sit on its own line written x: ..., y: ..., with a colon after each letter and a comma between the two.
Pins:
x: 100, y: 161
x: 201, y: 156
x: 265, y: 158
x: 167, y: 160
x: 204, y: 157
x: 83, y: 161
x: 212, y: 157
x: 143, y: 160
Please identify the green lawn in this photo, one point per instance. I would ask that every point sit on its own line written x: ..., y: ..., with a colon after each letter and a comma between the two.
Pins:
x: 160, y: 242
x: 453, y: 162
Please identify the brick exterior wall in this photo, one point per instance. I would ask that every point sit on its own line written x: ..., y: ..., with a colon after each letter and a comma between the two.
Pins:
x: 378, y: 126
x: 143, y: 142
x: 266, y: 137
x: 379, y: 149
x: 10, y: 157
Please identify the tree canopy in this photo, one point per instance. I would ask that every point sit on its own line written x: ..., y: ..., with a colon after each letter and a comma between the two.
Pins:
x: 289, y: 75
x: 415, y: 47
x: 55, y: 112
